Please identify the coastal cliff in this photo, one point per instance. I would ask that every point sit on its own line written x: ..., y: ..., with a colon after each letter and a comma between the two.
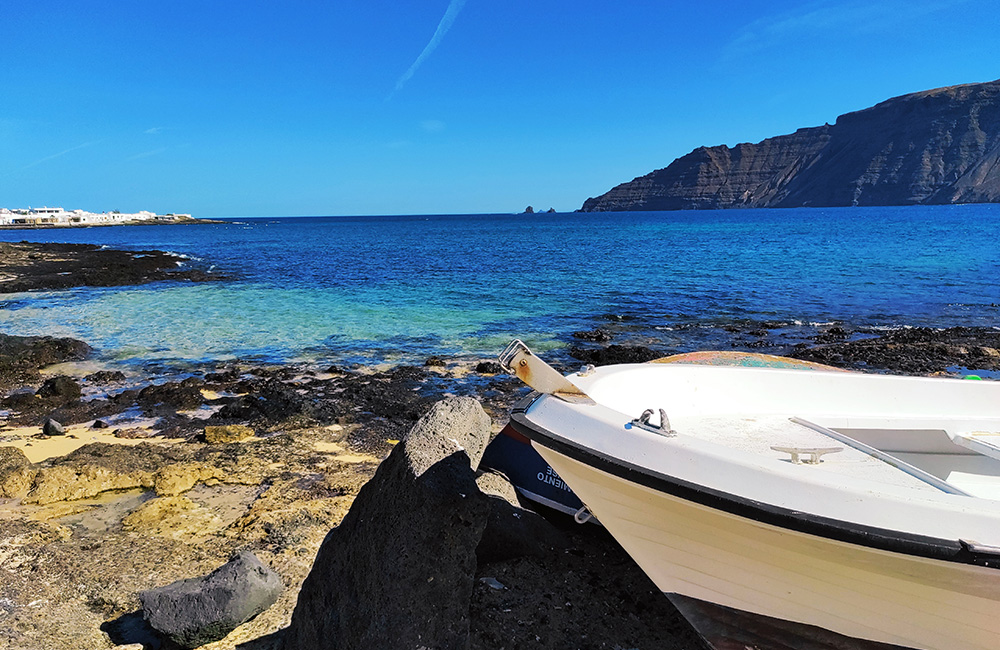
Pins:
x: 933, y: 147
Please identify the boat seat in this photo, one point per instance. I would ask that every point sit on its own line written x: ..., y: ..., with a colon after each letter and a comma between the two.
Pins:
x: 986, y: 443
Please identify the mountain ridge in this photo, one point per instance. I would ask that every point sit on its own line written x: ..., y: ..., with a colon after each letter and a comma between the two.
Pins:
x: 935, y: 146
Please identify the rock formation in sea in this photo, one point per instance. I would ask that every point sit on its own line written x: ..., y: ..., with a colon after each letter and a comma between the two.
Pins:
x: 933, y: 147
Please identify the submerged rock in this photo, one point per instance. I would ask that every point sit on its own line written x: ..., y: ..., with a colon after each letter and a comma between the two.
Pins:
x: 197, y: 611
x: 399, y: 571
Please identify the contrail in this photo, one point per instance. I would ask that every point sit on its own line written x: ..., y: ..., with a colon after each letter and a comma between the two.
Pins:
x: 57, y: 155
x: 446, y: 22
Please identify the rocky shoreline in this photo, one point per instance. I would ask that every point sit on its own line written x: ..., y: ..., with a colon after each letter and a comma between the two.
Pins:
x: 26, y: 266
x: 114, y: 485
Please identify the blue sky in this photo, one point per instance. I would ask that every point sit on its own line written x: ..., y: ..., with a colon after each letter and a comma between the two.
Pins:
x: 353, y: 107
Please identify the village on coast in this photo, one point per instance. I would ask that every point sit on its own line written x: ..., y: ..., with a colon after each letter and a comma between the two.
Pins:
x: 58, y: 217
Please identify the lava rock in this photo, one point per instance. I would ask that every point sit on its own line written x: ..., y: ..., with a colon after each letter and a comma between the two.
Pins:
x: 271, y: 402
x: 399, y: 571
x: 99, y: 424
x: 105, y: 377
x: 201, y: 610
x: 62, y: 388
x: 615, y: 354
x: 172, y: 394
x: 489, y: 368
x: 435, y: 362
x: 53, y: 428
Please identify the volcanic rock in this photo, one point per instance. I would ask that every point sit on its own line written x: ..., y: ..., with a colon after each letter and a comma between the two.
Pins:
x: 62, y: 388
x: 489, y: 368
x: 105, y: 377
x: 932, y: 147
x: 197, y: 611
x: 399, y: 571
x: 22, y: 356
x: 615, y: 354
x: 176, y: 395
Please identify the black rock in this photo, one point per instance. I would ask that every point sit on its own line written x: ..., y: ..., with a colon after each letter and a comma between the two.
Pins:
x: 201, y: 610
x: 399, y: 571
x: 489, y: 368
x: 53, y: 428
x: 105, y: 377
x: 173, y: 394
x: 64, y: 388
x: 615, y: 354
x: 435, y: 362
x: 273, y: 401
x: 99, y: 424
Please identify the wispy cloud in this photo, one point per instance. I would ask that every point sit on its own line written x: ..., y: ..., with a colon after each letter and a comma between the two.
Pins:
x: 154, y: 130
x: 447, y: 21
x: 853, y: 16
x: 59, y: 155
x: 146, y: 154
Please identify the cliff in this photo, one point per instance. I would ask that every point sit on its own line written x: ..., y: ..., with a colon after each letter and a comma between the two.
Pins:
x: 932, y: 147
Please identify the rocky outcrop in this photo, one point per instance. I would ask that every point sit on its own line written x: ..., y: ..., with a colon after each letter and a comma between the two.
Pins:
x: 22, y: 356
x: 32, y: 266
x: 399, y: 571
x: 933, y: 147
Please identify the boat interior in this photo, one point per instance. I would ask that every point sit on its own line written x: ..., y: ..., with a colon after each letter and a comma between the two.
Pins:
x: 927, y: 434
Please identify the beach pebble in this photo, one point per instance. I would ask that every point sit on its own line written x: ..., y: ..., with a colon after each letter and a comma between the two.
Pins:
x: 53, y: 428
x: 202, y: 610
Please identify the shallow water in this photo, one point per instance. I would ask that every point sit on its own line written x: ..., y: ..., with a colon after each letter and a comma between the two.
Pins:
x: 404, y: 288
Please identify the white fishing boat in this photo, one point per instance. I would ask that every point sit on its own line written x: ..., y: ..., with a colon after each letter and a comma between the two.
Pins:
x: 866, y: 505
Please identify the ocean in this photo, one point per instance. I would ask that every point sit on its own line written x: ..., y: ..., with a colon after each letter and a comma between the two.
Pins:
x: 404, y: 288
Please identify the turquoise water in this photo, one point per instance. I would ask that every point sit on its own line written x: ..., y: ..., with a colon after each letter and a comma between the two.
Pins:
x: 404, y: 288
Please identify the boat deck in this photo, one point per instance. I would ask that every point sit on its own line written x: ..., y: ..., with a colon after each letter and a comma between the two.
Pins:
x: 759, y: 435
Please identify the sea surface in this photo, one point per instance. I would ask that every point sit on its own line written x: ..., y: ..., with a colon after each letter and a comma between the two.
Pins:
x: 403, y: 288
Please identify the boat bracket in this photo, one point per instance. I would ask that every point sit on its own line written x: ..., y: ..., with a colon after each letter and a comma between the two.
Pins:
x: 663, y: 428
x: 521, y: 362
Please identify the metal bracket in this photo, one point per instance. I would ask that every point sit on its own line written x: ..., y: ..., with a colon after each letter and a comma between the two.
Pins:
x: 663, y: 428
x: 518, y: 360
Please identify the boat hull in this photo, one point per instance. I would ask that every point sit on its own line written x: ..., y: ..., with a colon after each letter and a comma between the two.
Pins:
x: 723, y: 558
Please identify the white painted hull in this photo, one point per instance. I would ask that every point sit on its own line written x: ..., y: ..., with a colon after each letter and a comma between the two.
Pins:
x: 855, y: 590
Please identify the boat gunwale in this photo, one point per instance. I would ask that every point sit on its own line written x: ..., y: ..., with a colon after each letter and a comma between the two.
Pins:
x: 883, y: 539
